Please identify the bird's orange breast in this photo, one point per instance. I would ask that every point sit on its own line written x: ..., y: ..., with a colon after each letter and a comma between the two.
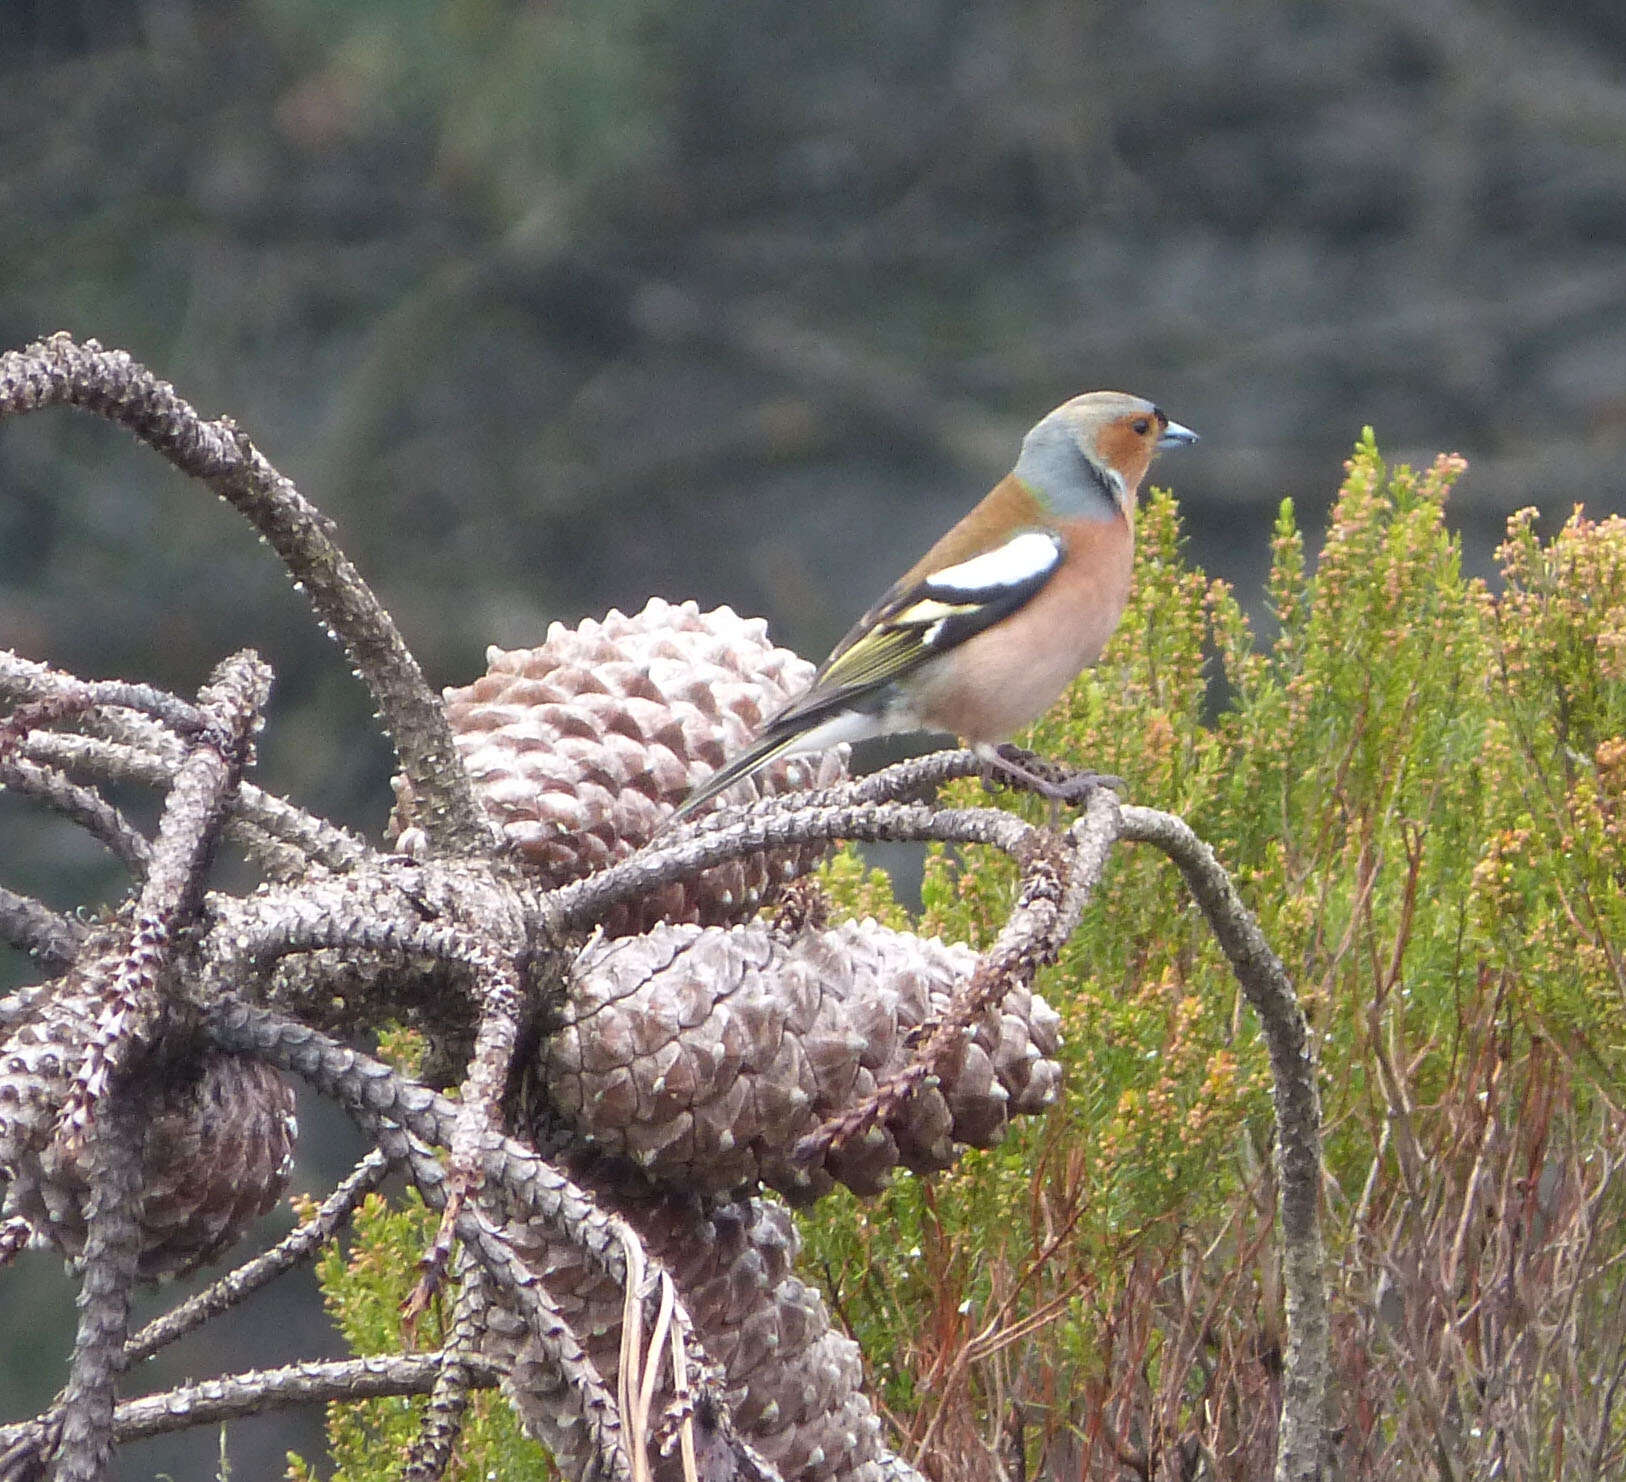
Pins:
x: 1007, y: 677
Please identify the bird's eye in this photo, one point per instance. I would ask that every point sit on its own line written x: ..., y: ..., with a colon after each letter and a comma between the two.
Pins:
x: 1141, y: 426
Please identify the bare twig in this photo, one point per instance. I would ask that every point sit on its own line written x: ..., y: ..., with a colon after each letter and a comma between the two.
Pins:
x: 81, y: 805
x: 186, y: 834
x: 725, y: 836
x: 236, y: 1286
x: 375, y: 1094
x: 112, y: 1254
x: 39, y: 931
x: 432, y: 1448
x: 1056, y: 886
x: 282, y: 836
x: 214, y: 1401
x: 59, y: 372
x: 586, y: 1415
x: 53, y: 695
x: 405, y: 1118
x: 479, y: 1109
x: 220, y: 1297
x: 144, y: 746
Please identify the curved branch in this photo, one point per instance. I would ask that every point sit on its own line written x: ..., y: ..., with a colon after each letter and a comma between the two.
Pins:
x: 236, y: 1286
x: 406, y: 1118
x: 590, y: 1407
x: 121, y: 740
x: 33, y: 1437
x: 774, y: 825
x: 374, y: 1093
x: 279, y: 834
x: 54, y: 695
x: 1058, y: 879
x: 124, y: 742
x: 60, y: 372
x: 1305, y: 1378
x: 112, y: 1255
x: 193, y: 811
x: 442, y: 1423
x: 214, y: 1401
x: 39, y: 931
x: 81, y: 805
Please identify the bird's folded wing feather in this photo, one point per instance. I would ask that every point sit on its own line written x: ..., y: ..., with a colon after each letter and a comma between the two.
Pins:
x: 924, y: 618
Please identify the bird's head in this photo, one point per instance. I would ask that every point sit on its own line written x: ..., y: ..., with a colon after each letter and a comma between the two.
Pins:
x: 1090, y: 454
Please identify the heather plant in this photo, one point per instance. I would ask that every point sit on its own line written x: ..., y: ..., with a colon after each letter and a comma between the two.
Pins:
x: 365, y: 1288
x: 1418, y: 783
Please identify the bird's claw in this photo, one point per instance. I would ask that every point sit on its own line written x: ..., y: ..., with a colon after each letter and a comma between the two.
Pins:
x: 1064, y: 786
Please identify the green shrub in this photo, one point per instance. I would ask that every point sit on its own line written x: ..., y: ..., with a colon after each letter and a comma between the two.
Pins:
x: 1418, y: 786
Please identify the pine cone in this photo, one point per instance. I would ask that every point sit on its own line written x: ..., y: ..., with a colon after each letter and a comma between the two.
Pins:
x: 582, y: 748
x: 794, y: 1384
x: 218, y: 1150
x: 704, y: 1054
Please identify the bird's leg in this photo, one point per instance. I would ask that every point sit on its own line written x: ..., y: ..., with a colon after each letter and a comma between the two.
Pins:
x: 1063, y: 786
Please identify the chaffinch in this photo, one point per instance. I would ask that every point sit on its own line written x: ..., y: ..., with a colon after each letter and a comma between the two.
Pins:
x: 987, y: 629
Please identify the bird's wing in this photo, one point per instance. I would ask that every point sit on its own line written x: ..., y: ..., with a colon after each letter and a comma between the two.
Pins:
x: 922, y: 618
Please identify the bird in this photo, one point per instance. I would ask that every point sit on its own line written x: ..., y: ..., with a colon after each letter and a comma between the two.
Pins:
x: 981, y: 635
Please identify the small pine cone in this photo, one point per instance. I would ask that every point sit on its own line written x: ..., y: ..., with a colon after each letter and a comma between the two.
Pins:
x: 793, y: 1384
x: 218, y: 1150
x: 705, y: 1054
x: 582, y: 748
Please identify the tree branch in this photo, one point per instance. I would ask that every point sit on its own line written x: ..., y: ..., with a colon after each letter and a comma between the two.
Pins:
x: 81, y: 805
x: 1058, y: 879
x: 723, y: 836
x: 59, y: 372
x: 196, y: 805
x: 236, y: 1286
x: 215, y: 1401
x: 442, y: 1423
x: 1301, y: 1445
x: 112, y: 1255
x: 38, y: 930
x: 280, y: 835
x: 133, y: 734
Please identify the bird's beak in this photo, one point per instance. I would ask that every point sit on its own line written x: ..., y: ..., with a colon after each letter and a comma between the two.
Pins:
x: 1176, y: 436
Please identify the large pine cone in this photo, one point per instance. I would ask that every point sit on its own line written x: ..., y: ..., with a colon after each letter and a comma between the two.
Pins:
x: 218, y: 1148
x: 704, y: 1054
x: 794, y: 1384
x: 582, y: 748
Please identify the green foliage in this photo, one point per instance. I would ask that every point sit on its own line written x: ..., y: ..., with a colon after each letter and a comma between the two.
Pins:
x: 1419, y: 788
x: 865, y: 893
x: 1548, y: 891
x: 538, y: 112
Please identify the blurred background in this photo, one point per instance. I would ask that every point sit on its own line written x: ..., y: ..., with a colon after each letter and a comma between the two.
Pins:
x: 555, y: 306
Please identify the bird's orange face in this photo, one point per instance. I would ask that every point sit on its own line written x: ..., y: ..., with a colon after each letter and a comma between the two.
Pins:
x: 1127, y: 442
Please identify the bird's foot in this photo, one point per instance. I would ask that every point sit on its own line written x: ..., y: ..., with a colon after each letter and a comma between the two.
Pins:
x: 1065, y: 787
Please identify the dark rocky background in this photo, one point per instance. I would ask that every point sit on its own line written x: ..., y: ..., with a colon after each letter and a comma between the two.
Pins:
x: 557, y: 305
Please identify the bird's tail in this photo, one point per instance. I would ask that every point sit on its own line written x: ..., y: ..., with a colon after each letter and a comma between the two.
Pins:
x: 756, y: 756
